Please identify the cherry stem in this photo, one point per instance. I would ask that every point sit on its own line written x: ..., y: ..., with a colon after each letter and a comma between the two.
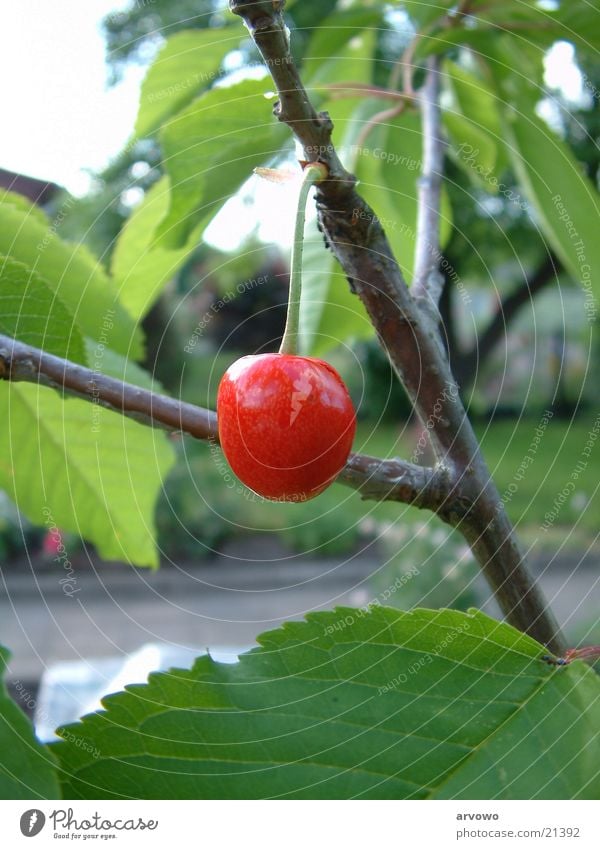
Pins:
x: 314, y: 172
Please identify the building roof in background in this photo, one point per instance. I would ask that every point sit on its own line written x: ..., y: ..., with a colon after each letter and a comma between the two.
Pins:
x: 38, y: 191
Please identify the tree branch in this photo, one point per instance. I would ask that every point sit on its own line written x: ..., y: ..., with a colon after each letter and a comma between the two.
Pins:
x: 354, y: 234
x: 20, y: 362
x: 397, y: 480
x: 427, y: 279
x: 382, y: 480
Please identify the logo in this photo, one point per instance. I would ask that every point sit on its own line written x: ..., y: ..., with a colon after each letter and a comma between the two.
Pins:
x: 32, y: 822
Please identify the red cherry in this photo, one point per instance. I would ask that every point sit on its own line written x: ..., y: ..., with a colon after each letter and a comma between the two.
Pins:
x: 286, y: 424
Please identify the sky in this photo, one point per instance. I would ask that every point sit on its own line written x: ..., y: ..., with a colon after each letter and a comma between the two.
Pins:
x: 63, y: 121
x: 59, y: 116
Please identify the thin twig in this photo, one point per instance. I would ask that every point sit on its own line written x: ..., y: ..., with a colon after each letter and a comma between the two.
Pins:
x: 404, y: 67
x: 350, y: 89
x: 427, y: 278
x: 375, y: 120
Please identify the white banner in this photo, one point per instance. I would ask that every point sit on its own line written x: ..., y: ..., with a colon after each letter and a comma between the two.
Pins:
x: 296, y: 825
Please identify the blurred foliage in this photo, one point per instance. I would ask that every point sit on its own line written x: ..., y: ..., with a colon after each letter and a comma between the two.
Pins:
x: 135, y: 34
x: 427, y: 564
x: 384, y: 397
x: 581, y: 121
x: 16, y: 533
x: 204, y: 505
x: 97, y: 218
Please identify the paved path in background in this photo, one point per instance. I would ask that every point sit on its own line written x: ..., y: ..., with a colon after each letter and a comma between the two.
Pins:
x: 224, y: 603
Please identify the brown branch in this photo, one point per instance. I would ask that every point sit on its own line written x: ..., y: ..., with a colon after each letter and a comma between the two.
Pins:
x: 20, y: 362
x: 390, y: 480
x: 397, y: 480
x: 354, y: 234
x: 427, y: 279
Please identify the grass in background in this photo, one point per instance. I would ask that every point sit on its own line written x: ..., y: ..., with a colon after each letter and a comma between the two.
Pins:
x: 205, y: 505
x: 559, y: 469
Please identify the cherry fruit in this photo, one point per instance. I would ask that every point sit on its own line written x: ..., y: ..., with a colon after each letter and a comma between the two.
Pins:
x: 286, y: 424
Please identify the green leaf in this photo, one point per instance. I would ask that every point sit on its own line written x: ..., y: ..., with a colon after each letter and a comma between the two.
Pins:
x: 389, y: 168
x: 375, y: 703
x: 31, y: 312
x: 24, y: 204
x: 566, y: 203
x: 576, y: 22
x: 471, y: 149
x: 425, y: 12
x: 580, y: 23
x: 83, y: 468
x: 142, y: 270
x: 478, y: 106
x: 337, y: 50
x: 210, y: 149
x: 187, y: 64
x: 27, y: 768
x: 73, y: 273
x: 545, y: 752
x: 529, y: 26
